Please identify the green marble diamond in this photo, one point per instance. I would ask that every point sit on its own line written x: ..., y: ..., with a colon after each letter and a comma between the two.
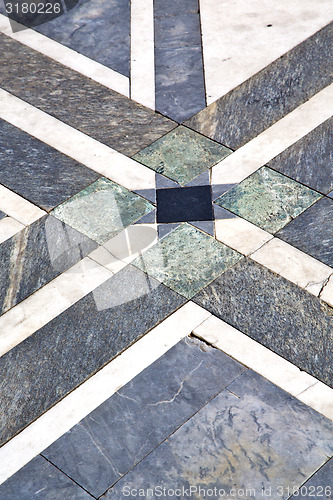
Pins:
x: 182, y: 155
x: 102, y: 210
x: 268, y: 199
x: 186, y: 260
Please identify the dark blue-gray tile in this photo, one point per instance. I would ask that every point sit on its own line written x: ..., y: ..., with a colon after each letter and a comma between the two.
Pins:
x: 275, y: 312
x: 42, y: 369
x: 312, y: 231
x: 38, y: 172
x: 319, y: 486
x: 2, y: 215
x: 252, y: 436
x: 118, y: 434
x: 41, y: 480
x: 36, y: 255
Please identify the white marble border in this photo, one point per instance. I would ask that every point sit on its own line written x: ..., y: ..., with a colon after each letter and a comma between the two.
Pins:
x: 66, y: 56
x: 83, y: 400
x: 9, y: 227
x: 18, y: 208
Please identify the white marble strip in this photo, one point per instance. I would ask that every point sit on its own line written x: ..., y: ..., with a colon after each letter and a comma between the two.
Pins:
x: 263, y: 148
x: 327, y: 292
x: 294, y: 265
x: 241, y: 235
x: 17, y: 207
x: 49, y: 301
x: 9, y: 227
x: 142, y: 53
x: 73, y: 143
x: 268, y: 364
x: 83, y: 400
x: 237, y: 43
x: 66, y: 56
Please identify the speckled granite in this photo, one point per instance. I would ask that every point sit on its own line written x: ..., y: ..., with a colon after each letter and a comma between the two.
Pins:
x: 252, y: 436
x: 39, y: 479
x: 38, y: 172
x: 265, y: 98
x: 275, y: 312
x: 268, y: 199
x: 102, y: 210
x: 77, y: 343
x: 36, y: 255
x: 78, y: 101
x: 118, y: 434
x: 182, y: 155
x: 312, y: 231
x: 186, y: 260
x: 310, y: 159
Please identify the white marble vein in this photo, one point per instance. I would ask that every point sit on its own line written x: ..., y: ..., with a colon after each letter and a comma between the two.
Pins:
x: 49, y: 301
x: 237, y: 43
x: 294, y: 265
x: 77, y: 145
x: 263, y: 148
x: 78, y: 404
x: 327, y: 291
x: 142, y: 53
x: 240, y: 234
x: 17, y: 207
x: 9, y: 227
x: 66, y: 56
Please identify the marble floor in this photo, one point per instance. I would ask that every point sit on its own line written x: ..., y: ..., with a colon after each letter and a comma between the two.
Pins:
x: 166, y: 249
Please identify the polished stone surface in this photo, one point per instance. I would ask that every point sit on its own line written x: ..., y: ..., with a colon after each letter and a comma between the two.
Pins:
x: 2, y: 215
x: 182, y: 155
x: 36, y: 255
x: 312, y: 231
x: 38, y: 172
x: 78, y: 101
x: 310, y: 159
x: 122, y: 431
x: 320, y: 485
x: 186, y: 260
x: 41, y: 480
x: 256, y: 437
x: 102, y: 210
x: 184, y: 204
x: 77, y: 343
x: 98, y: 29
x: 268, y: 199
x: 265, y: 98
x: 275, y: 312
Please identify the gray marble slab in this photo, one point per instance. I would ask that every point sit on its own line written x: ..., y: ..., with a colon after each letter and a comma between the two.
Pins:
x: 98, y: 29
x: 265, y: 98
x: 310, y: 159
x: 2, y: 215
x: 122, y: 431
x: 320, y: 485
x: 179, y: 73
x: 40, y: 480
x: 36, y: 255
x: 77, y: 343
x: 252, y: 436
x: 312, y: 231
x: 78, y: 101
x: 275, y: 312
x: 38, y: 172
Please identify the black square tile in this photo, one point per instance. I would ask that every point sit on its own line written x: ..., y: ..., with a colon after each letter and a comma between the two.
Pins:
x: 184, y: 204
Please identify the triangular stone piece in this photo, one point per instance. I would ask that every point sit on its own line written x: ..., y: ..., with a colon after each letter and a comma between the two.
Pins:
x: 163, y: 182
x: 202, y: 180
x: 149, y: 218
x: 164, y: 229
x: 205, y: 225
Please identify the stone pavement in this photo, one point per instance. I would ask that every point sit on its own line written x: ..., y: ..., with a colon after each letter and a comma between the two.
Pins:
x: 166, y: 248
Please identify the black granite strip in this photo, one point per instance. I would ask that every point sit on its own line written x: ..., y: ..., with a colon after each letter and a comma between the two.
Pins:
x: 179, y: 73
x: 40, y: 480
x: 320, y: 485
x: 312, y: 231
x: 278, y: 314
x: 38, y: 172
x: 265, y: 98
x: 40, y: 371
x: 310, y: 159
x: 78, y: 101
x: 106, y: 23
x: 122, y: 431
x: 247, y: 442
x: 36, y: 255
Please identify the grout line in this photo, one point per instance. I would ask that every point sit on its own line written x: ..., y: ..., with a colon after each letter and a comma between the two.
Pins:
x: 19, y: 208
x: 142, y: 53
x: 93, y: 392
x: 66, y: 56
x: 270, y: 365
x: 79, y: 146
